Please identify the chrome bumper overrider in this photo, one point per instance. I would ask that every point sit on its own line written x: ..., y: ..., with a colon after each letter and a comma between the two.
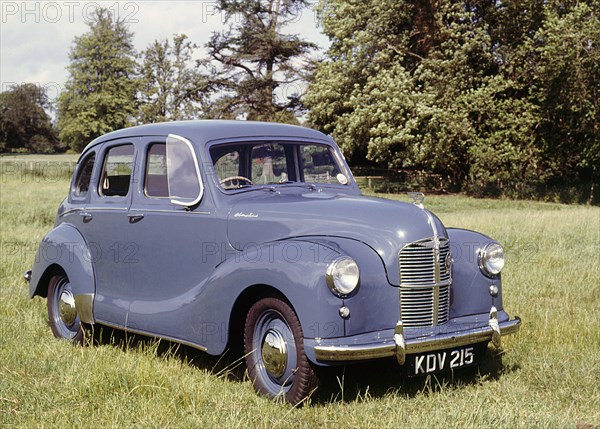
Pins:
x: 400, y: 346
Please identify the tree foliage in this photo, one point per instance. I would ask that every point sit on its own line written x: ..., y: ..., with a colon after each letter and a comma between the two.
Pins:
x: 252, y: 60
x: 100, y: 93
x: 24, y: 123
x: 171, y: 86
x: 498, y: 97
x: 566, y: 86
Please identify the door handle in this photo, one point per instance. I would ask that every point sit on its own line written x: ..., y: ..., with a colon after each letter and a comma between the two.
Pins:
x: 133, y: 218
x: 86, y: 216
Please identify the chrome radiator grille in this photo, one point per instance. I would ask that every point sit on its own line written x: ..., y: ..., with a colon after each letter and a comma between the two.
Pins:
x: 425, y: 281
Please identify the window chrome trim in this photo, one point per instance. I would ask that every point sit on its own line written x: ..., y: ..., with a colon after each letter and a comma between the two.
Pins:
x: 198, y: 176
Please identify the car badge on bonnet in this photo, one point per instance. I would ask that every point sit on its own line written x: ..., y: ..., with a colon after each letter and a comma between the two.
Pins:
x: 417, y: 197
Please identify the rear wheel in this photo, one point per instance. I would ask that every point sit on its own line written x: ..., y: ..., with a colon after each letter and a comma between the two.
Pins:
x: 62, y: 314
x: 274, y: 348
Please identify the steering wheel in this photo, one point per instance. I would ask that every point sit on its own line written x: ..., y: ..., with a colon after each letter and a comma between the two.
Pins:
x: 235, y: 181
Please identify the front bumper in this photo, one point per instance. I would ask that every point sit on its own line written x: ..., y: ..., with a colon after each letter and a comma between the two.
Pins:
x: 399, y: 345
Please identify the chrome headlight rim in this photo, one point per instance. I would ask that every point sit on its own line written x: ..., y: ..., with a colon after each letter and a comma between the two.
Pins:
x: 491, y: 259
x: 338, y: 289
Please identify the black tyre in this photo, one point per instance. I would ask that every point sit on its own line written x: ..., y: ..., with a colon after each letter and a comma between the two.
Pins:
x: 274, y: 349
x: 62, y: 314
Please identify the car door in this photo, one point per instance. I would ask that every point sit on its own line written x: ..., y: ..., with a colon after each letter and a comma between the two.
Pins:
x: 104, y: 225
x: 175, y: 241
x: 73, y: 212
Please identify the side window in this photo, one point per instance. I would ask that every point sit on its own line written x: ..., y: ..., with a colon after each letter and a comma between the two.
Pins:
x: 269, y: 164
x: 81, y: 185
x: 116, y: 171
x: 155, y: 180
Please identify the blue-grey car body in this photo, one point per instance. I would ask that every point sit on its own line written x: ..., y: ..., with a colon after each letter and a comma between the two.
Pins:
x: 179, y: 272
x: 63, y: 248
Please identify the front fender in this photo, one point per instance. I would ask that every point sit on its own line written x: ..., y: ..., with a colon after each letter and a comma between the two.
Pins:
x: 64, y: 248
x: 375, y: 305
x: 293, y: 268
x: 470, y: 287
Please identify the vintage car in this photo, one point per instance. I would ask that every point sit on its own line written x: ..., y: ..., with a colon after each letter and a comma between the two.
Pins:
x: 221, y: 233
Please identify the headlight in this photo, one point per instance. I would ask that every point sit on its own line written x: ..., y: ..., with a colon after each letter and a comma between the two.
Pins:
x: 491, y: 259
x: 342, y: 276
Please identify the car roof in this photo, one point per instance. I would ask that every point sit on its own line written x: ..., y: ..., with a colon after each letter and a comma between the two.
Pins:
x: 203, y: 131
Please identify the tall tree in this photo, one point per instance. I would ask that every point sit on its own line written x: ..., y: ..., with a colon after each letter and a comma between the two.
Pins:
x: 25, y: 126
x: 100, y: 93
x: 415, y: 85
x: 170, y: 85
x: 566, y: 87
x: 252, y: 60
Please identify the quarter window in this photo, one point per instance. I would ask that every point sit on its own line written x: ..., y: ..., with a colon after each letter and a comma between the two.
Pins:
x: 84, y: 175
x: 116, y: 172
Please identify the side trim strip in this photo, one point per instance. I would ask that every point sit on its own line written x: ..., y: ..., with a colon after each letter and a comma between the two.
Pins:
x: 74, y: 210
x: 149, y: 334
x: 168, y: 211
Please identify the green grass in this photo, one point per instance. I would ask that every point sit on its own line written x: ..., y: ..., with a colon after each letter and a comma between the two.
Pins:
x: 548, y: 375
x: 37, y: 168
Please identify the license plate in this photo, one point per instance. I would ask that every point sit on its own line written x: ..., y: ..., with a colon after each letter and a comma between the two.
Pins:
x: 444, y: 360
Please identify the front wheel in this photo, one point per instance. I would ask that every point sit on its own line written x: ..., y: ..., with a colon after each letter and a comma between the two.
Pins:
x: 62, y: 314
x: 274, y: 349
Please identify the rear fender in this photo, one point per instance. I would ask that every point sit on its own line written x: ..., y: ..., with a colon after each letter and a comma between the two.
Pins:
x: 64, y: 250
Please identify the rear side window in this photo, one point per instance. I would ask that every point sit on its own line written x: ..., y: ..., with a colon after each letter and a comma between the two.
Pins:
x: 156, y: 184
x: 116, y: 171
x: 81, y: 185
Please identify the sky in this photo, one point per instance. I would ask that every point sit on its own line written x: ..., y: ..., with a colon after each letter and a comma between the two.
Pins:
x: 36, y: 36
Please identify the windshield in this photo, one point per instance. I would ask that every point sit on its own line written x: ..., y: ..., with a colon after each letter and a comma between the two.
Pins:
x: 243, y: 165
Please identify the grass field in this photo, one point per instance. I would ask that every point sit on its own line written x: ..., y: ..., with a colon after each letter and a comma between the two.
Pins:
x: 548, y: 375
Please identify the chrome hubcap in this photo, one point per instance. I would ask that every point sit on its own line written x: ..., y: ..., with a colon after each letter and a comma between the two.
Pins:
x: 274, y: 353
x: 66, y: 307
